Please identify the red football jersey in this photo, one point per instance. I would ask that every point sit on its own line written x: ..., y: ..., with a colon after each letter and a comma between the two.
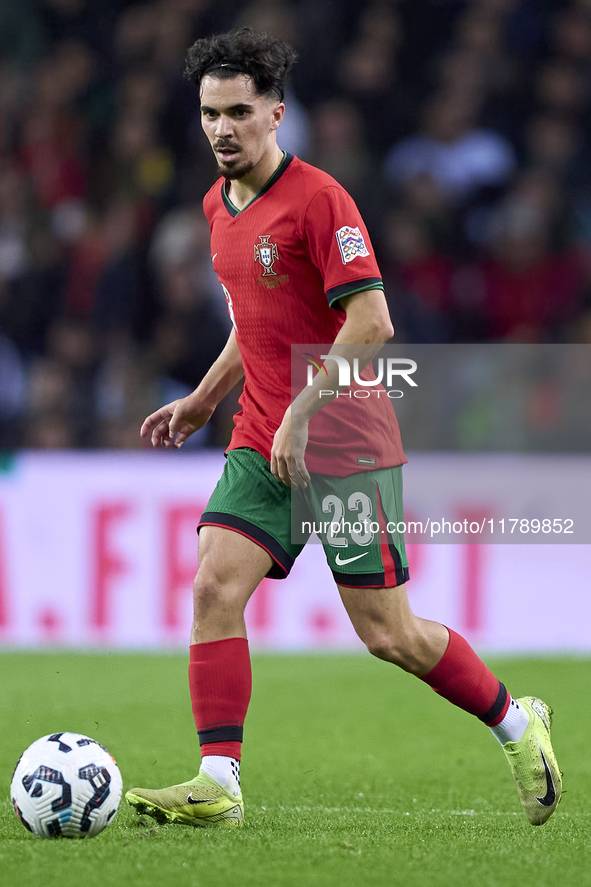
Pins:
x: 284, y: 261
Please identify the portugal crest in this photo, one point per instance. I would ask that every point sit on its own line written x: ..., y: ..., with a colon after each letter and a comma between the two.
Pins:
x: 266, y: 253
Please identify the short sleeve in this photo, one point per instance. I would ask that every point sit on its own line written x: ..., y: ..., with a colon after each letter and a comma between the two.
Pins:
x: 339, y: 245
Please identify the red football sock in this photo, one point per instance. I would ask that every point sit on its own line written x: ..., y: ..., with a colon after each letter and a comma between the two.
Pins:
x: 462, y: 678
x: 220, y: 684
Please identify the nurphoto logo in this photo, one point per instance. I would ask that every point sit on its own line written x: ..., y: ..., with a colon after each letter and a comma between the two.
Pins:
x: 388, y: 370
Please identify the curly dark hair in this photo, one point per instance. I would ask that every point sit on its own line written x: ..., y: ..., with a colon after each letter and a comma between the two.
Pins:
x: 264, y: 58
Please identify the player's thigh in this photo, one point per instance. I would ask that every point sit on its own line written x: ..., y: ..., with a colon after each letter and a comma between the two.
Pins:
x: 377, y: 611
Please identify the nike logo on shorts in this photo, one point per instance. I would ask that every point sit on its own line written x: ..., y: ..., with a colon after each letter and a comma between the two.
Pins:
x: 341, y: 563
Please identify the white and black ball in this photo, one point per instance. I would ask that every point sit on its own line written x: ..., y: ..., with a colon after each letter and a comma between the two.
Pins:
x: 66, y: 785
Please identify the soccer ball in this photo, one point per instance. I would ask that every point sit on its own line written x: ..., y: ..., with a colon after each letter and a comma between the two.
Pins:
x: 66, y: 785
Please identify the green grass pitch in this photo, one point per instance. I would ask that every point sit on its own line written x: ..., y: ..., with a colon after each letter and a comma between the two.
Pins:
x: 353, y: 774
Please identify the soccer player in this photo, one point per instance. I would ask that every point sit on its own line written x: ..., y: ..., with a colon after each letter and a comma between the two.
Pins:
x: 296, y: 266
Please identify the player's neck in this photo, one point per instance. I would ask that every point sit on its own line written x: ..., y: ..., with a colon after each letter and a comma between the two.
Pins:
x: 242, y: 191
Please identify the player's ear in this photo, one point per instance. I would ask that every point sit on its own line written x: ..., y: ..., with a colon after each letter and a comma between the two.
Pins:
x: 278, y: 112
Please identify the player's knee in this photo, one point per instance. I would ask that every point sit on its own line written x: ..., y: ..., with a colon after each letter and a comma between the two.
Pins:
x: 207, y: 593
x: 217, y: 598
x: 403, y: 650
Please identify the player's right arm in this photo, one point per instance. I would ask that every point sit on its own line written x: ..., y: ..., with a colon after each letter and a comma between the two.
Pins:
x: 172, y: 424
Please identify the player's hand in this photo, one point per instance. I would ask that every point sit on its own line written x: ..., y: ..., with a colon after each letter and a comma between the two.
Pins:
x: 171, y: 425
x: 287, y: 453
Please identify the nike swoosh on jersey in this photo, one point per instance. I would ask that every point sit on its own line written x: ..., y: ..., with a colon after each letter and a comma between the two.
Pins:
x: 349, y: 560
x: 550, y: 795
x: 192, y: 800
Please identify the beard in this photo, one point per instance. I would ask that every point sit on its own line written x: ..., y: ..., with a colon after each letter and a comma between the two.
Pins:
x: 235, y: 169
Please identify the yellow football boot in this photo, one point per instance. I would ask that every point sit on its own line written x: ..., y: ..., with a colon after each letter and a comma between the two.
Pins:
x: 202, y: 802
x: 533, y: 763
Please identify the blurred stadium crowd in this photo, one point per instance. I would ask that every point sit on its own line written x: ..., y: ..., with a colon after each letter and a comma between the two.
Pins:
x: 461, y: 127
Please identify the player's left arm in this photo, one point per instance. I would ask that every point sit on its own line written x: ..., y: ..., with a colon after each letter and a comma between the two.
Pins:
x: 367, y: 322
x: 368, y: 326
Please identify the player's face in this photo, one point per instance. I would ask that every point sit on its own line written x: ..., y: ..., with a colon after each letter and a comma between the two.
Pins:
x: 239, y: 123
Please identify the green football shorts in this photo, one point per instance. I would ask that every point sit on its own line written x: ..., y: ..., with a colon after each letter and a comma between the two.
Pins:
x: 357, y: 518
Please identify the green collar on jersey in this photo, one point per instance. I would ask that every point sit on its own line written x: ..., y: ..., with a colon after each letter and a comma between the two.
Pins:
x: 233, y: 210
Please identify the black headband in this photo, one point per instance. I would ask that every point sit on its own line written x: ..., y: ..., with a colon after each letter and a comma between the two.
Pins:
x: 230, y: 66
